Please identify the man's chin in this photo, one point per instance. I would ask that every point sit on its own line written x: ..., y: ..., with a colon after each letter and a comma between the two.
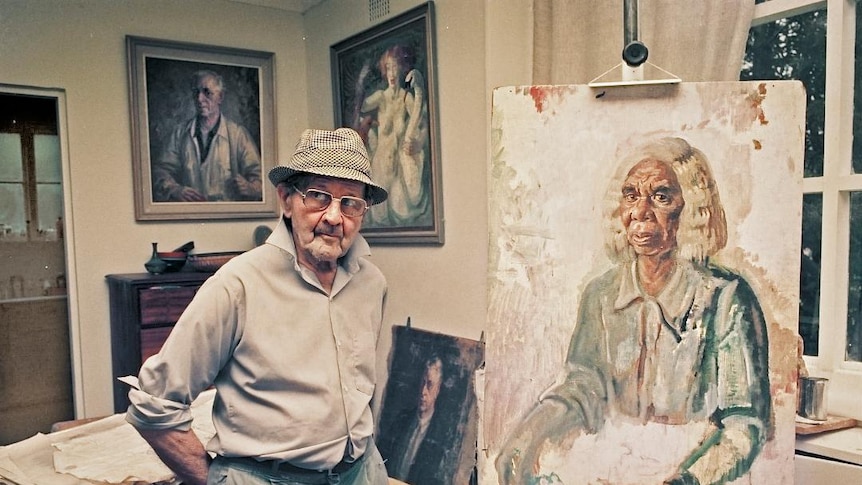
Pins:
x: 326, y: 252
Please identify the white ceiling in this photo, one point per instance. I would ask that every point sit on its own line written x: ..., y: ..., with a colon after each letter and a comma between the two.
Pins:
x: 289, y: 5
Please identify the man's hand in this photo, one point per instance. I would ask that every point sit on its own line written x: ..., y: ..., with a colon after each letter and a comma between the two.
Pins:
x: 188, y: 194
x: 243, y: 189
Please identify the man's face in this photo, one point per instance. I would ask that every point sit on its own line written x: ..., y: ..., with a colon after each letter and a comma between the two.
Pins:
x: 430, y: 387
x: 208, y: 97
x: 322, y: 235
x: 650, y: 207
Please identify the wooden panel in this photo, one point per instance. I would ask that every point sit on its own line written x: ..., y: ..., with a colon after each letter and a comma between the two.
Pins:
x: 831, y: 424
x: 152, y: 340
x: 35, y: 368
x: 164, y: 304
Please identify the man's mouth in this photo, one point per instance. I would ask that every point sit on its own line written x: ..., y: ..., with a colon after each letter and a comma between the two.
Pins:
x: 642, y: 237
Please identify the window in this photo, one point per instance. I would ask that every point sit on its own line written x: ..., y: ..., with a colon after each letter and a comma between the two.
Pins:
x: 31, y: 195
x: 816, y: 42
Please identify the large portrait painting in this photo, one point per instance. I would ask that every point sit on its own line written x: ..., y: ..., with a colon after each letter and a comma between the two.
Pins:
x: 429, y: 419
x: 202, y: 130
x: 644, y: 282
x: 384, y: 88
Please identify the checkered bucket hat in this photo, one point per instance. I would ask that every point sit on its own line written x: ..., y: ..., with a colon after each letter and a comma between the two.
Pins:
x: 340, y: 154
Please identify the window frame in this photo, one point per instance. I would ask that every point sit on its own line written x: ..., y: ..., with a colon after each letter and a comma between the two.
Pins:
x: 28, y: 130
x: 835, y: 185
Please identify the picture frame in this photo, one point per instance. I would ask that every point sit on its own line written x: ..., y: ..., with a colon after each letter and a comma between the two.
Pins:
x: 398, y: 121
x: 172, y: 181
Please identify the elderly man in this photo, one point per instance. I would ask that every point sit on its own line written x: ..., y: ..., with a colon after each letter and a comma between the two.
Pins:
x: 209, y: 158
x: 664, y: 337
x: 287, y: 334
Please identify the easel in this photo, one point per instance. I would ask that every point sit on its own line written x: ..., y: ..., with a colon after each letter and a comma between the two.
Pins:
x: 634, y: 69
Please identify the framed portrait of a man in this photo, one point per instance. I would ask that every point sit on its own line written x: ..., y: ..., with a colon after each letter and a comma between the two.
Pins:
x: 202, y: 130
x: 384, y: 88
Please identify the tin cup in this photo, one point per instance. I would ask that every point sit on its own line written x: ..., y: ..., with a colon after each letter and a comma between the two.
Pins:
x: 812, y: 398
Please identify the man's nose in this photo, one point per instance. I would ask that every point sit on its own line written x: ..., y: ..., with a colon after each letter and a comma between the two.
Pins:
x: 333, y: 213
x: 642, y: 209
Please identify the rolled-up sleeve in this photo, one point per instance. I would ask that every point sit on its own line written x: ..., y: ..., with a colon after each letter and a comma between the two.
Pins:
x: 190, y: 359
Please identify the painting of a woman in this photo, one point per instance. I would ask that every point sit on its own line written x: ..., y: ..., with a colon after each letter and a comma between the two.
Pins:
x: 393, y: 119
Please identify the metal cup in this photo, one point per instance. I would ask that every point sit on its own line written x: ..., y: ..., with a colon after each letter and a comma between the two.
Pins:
x: 812, y: 398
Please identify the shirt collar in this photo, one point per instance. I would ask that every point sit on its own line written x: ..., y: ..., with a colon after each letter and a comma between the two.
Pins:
x: 675, y: 298
x: 221, y: 128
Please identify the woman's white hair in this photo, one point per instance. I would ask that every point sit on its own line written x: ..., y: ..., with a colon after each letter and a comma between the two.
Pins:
x: 702, y: 226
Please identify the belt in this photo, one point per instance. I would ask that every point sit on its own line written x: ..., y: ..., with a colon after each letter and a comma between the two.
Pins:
x: 287, y: 469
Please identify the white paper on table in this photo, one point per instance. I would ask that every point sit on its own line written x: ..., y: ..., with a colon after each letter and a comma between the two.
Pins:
x: 115, y: 453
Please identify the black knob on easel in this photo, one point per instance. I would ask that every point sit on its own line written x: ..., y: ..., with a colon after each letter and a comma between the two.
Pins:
x: 635, y: 53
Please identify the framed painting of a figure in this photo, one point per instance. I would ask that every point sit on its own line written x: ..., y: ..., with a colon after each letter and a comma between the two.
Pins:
x: 645, y: 250
x: 428, y: 421
x: 384, y: 88
x: 202, y: 130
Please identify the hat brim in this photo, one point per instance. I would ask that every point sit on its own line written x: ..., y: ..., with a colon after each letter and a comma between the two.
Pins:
x: 279, y: 174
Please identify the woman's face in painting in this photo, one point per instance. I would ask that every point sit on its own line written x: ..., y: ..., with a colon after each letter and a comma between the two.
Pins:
x: 650, y: 207
x: 393, y: 72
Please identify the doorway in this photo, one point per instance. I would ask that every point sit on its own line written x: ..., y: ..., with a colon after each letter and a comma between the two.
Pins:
x: 36, y: 372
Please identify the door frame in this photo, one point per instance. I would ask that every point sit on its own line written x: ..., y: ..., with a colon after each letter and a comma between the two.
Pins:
x: 68, y: 235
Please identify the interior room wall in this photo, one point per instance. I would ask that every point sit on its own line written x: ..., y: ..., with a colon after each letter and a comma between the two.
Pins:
x: 79, y: 47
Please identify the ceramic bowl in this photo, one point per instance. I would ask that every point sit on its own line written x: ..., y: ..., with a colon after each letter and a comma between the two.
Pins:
x: 174, y: 259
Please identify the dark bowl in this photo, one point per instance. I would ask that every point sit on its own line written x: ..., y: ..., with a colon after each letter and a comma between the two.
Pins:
x: 175, y: 260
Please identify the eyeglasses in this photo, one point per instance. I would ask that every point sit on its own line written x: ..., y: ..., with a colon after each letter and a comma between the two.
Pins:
x: 319, y: 200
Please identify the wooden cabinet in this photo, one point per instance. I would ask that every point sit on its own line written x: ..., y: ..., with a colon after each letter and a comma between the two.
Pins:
x: 144, y: 309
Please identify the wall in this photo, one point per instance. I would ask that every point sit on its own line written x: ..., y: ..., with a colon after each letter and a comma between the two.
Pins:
x: 479, y: 45
x: 79, y: 47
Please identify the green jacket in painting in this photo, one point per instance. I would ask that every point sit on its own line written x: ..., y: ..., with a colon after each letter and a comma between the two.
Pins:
x: 696, y: 352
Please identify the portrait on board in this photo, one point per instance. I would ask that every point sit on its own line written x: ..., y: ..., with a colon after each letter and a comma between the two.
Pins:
x: 645, y: 251
x: 428, y: 422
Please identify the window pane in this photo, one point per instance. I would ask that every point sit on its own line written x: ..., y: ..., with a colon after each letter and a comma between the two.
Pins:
x: 809, y: 281
x: 794, y: 48
x: 50, y: 200
x: 854, y: 297
x: 11, y: 168
x: 47, y: 148
x: 857, y: 96
x: 13, y: 223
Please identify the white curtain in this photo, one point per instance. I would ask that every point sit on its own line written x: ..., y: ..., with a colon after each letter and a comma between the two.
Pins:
x: 575, y: 41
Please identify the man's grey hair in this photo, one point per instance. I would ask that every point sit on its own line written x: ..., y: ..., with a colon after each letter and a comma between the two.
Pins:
x: 702, y: 226
x: 205, y: 73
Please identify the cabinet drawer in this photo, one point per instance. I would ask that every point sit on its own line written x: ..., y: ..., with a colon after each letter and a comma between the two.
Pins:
x: 152, y: 340
x: 164, y: 304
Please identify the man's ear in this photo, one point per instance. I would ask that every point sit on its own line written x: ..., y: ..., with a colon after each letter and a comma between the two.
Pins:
x: 284, y: 200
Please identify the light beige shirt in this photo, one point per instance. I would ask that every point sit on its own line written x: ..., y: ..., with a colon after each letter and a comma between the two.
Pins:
x: 293, y: 366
